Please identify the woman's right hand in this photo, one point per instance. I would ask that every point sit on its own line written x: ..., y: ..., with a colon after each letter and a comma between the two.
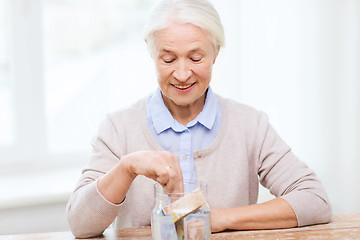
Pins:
x: 160, y: 166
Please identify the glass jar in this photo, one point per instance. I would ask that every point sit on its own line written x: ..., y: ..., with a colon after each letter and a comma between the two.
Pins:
x: 181, y: 216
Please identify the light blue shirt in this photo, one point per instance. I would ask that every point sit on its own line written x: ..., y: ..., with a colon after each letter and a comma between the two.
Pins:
x: 183, y: 140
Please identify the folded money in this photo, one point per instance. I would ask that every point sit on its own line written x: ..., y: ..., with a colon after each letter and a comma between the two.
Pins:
x: 183, y: 206
x: 163, y: 228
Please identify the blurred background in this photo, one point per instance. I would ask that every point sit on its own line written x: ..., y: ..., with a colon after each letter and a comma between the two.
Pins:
x: 65, y: 63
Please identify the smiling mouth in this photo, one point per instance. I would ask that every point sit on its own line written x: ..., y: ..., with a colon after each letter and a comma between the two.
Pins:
x: 183, y: 87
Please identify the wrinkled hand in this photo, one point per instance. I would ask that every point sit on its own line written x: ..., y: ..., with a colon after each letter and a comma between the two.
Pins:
x: 160, y: 166
x: 218, y: 219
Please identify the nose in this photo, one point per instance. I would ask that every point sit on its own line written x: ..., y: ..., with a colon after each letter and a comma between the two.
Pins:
x: 182, y: 72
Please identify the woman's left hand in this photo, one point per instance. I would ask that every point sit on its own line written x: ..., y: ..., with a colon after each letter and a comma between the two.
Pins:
x: 218, y: 219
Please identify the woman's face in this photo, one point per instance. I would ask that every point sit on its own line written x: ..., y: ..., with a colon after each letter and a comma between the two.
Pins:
x: 184, y: 56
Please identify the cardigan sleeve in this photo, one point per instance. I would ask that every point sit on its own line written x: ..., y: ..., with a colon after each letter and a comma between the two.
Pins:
x: 88, y: 212
x: 287, y: 177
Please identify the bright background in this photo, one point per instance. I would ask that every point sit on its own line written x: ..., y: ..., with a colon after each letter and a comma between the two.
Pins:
x: 65, y: 63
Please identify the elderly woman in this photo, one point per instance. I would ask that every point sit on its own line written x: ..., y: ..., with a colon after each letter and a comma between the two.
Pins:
x: 185, y: 132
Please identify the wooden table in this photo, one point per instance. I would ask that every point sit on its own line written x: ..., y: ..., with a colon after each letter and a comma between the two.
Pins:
x: 342, y: 227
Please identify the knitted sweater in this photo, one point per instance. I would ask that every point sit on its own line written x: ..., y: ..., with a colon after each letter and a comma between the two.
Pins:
x: 246, y: 151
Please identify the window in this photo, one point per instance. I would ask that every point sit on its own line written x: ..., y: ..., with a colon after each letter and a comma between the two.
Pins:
x: 72, y: 62
x: 6, y: 113
x: 93, y: 51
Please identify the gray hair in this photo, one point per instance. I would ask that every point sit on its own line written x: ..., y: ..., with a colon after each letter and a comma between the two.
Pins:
x: 200, y: 13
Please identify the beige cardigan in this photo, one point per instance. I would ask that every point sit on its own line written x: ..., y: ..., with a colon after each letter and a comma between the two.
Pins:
x: 247, y: 150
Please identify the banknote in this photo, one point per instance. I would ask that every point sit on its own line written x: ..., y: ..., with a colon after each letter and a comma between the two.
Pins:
x: 163, y: 228
x: 197, y: 226
x: 185, y: 205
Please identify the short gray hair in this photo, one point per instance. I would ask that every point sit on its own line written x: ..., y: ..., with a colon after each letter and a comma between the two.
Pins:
x: 200, y: 13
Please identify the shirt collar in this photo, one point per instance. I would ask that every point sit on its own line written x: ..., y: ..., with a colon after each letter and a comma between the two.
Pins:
x: 163, y: 120
x: 208, y: 115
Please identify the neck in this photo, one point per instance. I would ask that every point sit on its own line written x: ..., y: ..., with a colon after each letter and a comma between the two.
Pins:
x: 187, y: 113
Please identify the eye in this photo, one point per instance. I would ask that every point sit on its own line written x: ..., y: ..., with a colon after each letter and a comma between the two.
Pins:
x: 169, y: 60
x: 196, y: 59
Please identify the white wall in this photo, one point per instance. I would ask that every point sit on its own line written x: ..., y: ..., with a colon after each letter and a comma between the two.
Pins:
x: 299, y: 61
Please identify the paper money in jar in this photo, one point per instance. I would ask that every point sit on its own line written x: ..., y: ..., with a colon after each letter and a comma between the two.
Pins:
x: 185, y: 205
x: 188, y: 213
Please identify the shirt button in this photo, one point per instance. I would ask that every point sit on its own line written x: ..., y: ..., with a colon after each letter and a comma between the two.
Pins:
x: 184, y: 157
x: 186, y: 130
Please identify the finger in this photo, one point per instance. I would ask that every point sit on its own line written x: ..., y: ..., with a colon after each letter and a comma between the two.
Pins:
x: 177, y: 168
x: 162, y: 176
x: 165, y: 173
x: 179, y: 176
x: 173, y: 161
x: 164, y: 168
x: 175, y: 183
x: 154, y: 165
x: 171, y: 185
